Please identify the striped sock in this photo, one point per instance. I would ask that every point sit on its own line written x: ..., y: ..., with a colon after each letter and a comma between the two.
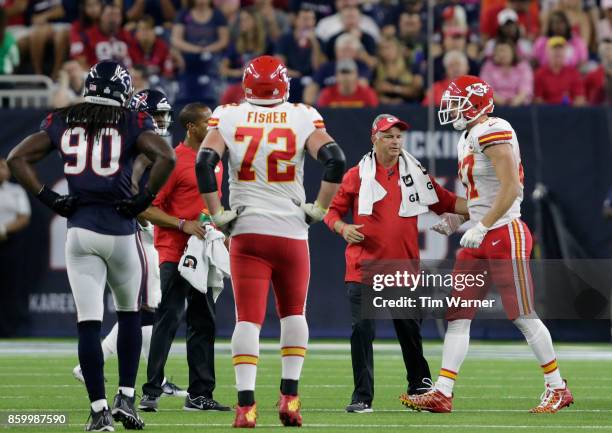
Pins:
x: 454, y: 351
x: 294, y: 339
x: 552, y: 376
x: 446, y: 381
x: 245, y: 355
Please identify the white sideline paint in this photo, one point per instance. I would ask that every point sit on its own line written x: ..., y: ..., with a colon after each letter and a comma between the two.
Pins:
x: 322, y: 350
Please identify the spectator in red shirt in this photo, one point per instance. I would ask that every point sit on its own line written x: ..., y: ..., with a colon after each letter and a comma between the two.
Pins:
x: 175, y: 212
x: 347, y: 92
x: 598, y: 83
x: 455, y: 64
x: 527, y: 16
x: 150, y: 50
x: 557, y: 83
x: 380, y: 234
x: 105, y: 41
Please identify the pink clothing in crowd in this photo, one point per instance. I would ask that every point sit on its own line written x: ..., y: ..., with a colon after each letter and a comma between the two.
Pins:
x: 576, y: 51
x: 509, y: 82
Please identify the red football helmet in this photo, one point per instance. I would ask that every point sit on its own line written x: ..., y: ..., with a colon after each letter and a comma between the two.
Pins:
x: 465, y: 99
x: 265, y: 81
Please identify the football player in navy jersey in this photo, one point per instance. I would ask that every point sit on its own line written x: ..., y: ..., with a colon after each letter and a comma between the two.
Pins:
x: 98, y: 141
x: 155, y: 103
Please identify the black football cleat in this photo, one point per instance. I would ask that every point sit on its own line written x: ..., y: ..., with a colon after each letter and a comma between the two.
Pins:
x: 99, y: 421
x: 124, y: 411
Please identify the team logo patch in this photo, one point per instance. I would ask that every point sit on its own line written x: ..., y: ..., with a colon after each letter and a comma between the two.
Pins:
x: 479, y: 89
x: 190, y: 262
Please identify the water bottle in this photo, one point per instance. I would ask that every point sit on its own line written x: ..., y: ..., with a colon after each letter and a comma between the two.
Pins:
x: 205, y: 218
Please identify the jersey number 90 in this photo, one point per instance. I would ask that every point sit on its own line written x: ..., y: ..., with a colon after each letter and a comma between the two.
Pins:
x: 101, y: 154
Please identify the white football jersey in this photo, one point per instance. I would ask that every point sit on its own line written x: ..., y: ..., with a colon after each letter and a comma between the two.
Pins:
x: 477, y: 173
x: 266, y: 164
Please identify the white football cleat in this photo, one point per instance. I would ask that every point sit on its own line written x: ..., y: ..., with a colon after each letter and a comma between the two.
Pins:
x: 78, y: 374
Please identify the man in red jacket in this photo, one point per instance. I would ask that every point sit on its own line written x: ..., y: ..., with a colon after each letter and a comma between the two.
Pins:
x: 381, y: 235
x: 175, y: 212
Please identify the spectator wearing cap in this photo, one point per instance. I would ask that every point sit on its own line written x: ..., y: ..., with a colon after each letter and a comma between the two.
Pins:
x: 526, y: 10
x: 511, y: 78
x: 576, y: 52
x: 598, y: 83
x: 604, y: 25
x: 455, y: 65
x: 557, y: 83
x: 393, y: 80
x: 381, y: 231
x: 348, y: 92
x: 509, y: 29
x: 454, y: 39
x: 347, y: 48
x: 332, y: 25
x: 301, y: 52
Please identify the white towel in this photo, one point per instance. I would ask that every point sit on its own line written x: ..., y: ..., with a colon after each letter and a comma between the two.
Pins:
x: 206, y: 262
x: 415, y: 183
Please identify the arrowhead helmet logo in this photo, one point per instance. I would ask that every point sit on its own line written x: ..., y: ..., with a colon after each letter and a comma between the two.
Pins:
x: 479, y: 89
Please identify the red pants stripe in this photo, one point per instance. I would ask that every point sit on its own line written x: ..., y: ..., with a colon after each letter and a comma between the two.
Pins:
x: 504, y: 255
x: 255, y: 261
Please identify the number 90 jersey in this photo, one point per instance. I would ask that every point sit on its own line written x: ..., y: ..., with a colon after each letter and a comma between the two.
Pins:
x: 477, y: 172
x: 266, y: 164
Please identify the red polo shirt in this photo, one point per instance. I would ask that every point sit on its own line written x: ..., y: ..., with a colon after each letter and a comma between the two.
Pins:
x: 388, y: 236
x: 364, y: 96
x: 558, y: 87
x: 180, y: 198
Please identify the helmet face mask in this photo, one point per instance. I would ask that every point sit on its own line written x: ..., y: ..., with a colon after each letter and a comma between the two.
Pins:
x: 466, y: 99
x: 155, y: 103
x: 163, y: 120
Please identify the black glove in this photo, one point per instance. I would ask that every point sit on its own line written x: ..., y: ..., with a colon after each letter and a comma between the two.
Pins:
x: 133, y: 206
x: 63, y: 205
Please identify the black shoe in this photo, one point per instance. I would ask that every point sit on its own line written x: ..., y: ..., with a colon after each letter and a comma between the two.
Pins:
x: 99, y: 421
x: 203, y: 403
x: 172, y: 390
x: 148, y: 403
x: 359, y: 407
x: 421, y: 388
x: 124, y: 411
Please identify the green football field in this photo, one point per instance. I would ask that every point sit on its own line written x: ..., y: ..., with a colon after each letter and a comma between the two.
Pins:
x: 497, y: 385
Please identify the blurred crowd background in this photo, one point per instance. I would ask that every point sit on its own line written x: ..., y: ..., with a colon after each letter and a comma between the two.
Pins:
x: 343, y: 53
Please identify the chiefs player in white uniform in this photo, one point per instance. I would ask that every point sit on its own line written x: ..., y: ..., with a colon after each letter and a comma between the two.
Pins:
x: 491, y: 170
x: 267, y: 139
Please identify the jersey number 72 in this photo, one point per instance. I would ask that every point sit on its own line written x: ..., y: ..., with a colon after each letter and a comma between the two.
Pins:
x: 254, y: 136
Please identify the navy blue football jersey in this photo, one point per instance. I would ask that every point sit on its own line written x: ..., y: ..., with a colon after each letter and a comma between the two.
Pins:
x: 99, y: 169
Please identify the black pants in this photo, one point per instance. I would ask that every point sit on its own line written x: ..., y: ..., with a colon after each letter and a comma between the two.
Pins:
x: 200, y: 334
x: 363, y: 332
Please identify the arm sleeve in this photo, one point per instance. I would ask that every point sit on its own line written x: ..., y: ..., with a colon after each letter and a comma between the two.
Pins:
x: 447, y: 199
x: 344, y: 199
